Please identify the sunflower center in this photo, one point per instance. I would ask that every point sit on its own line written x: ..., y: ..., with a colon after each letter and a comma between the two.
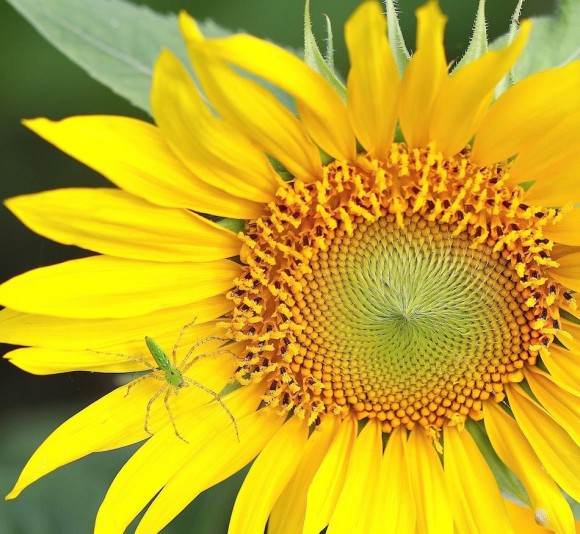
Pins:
x: 406, y: 307
x: 408, y: 292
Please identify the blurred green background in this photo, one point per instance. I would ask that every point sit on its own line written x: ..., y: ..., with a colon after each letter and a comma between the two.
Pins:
x: 38, y: 81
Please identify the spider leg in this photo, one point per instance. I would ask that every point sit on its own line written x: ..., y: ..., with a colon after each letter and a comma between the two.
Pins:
x: 168, y: 408
x: 126, y: 356
x: 196, y: 345
x: 154, y: 374
x: 133, y: 383
x: 219, y: 352
x: 218, y: 399
x: 178, y: 340
x: 149, y: 404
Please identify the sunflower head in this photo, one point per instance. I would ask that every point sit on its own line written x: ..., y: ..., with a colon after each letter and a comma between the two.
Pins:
x: 408, y: 290
x: 394, y: 329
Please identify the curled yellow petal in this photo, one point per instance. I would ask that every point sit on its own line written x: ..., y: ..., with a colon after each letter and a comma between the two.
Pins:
x: 212, y: 149
x: 115, y: 420
x: 423, y: 77
x: 373, y: 80
x: 464, y: 96
x: 320, y: 107
x: 135, y: 156
x: 523, y: 519
x: 212, y: 452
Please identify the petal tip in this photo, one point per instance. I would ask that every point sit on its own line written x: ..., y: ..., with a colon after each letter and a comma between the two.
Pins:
x: 34, y: 124
x: 13, y: 494
x: 432, y: 12
x: 189, y: 28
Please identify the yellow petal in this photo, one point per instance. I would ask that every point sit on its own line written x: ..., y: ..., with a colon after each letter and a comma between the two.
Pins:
x: 358, y: 499
x: 114, y: 421
x: 565, y: 231
x: 320, y: 107
x: 526, y: 111
x: 550, y: 158
x: 19, y: 328
x: 522, y: 518
x: 564, y: 367
x: 103, y: 286
x: 554, y: 447
x: 560, y: 191
x: 573, y: 329
x: 213, y: 150
x: 514, y: 450
x: 111, y: 221
x: 134, y: 156
x: 163, y: 461
x: 329, y: 479
x: 118, y: 358
x: 253, y: 110
x: 464, y: 97
x: 395, y: 508
x: 424, y: 75
x: 289, y: 511
x: 562, y: 405
x: 267, y: 478
x: 568, y: 273
x: 215, y: 459
x: 373, y: 80
x: 41, y: 361
x: 473, y: 491
x: 428, y: 483
x: 562, y: 250
x: 194, y: 476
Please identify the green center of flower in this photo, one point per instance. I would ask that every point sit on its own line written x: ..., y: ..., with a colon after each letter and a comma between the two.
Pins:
x: 409, y: 306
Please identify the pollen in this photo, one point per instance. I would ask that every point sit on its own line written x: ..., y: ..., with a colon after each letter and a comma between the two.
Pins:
x: 408, y: 291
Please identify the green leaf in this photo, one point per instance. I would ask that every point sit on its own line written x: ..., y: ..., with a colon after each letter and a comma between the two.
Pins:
x: 314, y: 58
x: 116, y: 42
x: 569, y: 317
x: 478, y: 42
x: 508, y: 80
x: 234, y: 225
x: 505, y: 478
x: 553, y: 41
x: 329, y: 53
x: 396, y: 39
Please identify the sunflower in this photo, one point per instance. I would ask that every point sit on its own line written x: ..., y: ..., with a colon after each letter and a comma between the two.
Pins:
x: 392, y: 324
